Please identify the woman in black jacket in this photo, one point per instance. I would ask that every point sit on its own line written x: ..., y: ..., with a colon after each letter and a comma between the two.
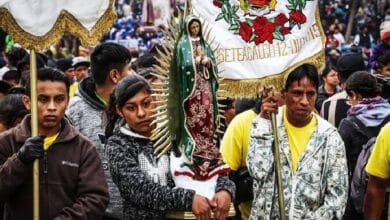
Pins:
x: 145, y: 181
x: 368, y: 108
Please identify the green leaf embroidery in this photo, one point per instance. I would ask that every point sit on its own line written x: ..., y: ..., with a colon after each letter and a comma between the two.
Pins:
x: 249, y: 21
x: 219, y: 17
x: 252, y: 37
x: 290, y: 7
x: 278, y: 36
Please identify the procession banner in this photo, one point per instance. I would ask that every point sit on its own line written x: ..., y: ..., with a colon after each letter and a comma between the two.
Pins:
x: 39, y: 24
x: 258, y: 42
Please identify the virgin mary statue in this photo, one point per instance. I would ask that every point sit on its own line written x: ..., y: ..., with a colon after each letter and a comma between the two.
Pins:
x: 196, y: 69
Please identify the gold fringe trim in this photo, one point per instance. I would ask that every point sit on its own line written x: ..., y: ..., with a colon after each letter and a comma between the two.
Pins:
x: 65, y: 22
x: 252, y: 87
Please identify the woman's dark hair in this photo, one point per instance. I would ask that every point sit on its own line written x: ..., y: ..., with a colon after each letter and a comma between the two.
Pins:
x: 12, y: 108
x: 12, y: 75
x: 4, y: 87
x: 328, y: 68
x: 302, y: 71
x: 363, y: 83
x: 126, y: 89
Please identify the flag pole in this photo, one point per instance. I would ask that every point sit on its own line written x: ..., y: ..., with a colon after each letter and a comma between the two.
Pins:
x: 34, y: 129
x: 278, y: 166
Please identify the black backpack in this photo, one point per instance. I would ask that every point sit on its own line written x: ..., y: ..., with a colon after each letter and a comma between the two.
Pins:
x: 360, y: 177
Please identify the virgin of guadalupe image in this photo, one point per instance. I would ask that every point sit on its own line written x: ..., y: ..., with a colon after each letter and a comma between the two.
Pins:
x: 197, y: 70
x: 188, y: 116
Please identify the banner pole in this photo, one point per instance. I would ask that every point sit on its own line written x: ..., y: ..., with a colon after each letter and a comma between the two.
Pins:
x: 278, y: 168
x: 34, y: 130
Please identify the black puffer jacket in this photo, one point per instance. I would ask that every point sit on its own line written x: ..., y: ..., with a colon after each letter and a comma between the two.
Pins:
x: 145, y: 183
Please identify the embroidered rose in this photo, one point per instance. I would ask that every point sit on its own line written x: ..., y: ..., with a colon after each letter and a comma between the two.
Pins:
x: 284, y: 30
x: 280, y: 19
x: 264, y: 30
x: 218, y: 3
x: 245, y: 31
x: 298, y: 16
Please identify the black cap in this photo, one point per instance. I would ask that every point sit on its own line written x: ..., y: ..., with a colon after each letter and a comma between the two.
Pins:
x: 350, y: 63
x: 64, y: 64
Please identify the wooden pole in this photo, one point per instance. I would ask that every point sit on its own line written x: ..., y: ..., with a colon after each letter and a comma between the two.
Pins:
x: 34, y: 130
x: 278, y: 167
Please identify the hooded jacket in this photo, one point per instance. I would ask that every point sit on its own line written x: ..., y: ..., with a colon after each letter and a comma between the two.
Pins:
x: 86, y: 113
x: 371, y: 115
x: 145, y: 182
x: 72, y: 183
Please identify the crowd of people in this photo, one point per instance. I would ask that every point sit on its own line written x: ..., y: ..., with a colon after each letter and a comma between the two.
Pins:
x: 96, y: 148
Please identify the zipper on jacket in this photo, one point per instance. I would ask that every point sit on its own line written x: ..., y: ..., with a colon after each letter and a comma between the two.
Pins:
x: 292, y: 203
x: 45, y: 169
x: 46, y: 183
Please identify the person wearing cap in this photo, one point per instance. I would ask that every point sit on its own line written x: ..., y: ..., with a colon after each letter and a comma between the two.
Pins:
x: 335, y: 108
x: 65, y: 65
x: 383, y: 46
x: 80, y: 65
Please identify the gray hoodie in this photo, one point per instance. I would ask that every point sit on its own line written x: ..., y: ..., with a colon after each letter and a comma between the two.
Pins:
x: 86, y: 111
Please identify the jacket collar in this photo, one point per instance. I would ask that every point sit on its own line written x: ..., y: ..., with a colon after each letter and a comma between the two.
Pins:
x: 87, y: 91
x: 315, y: 141
x: 23, y: 130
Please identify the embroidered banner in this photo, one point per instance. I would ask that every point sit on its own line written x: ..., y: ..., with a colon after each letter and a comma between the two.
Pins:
x: 260, y: 41
x: 38, y: 24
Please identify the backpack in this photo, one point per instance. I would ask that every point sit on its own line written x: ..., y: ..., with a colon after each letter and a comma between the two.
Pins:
x: 360, y: 177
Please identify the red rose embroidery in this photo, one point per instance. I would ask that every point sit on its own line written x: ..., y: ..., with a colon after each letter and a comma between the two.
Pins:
x: 284, y: 30
x: 297, y: 16
x: 280, y: 19
x: 245, y: 31
x: 263, y: 29
x: 217, y: 3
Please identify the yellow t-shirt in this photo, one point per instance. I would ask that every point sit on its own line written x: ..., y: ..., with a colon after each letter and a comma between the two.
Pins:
x: 73, y: 89
x: 235, y: 142
x: 379, y: 162
x: 234, y: 148
x: 48, y: 141
x: 298, y: 138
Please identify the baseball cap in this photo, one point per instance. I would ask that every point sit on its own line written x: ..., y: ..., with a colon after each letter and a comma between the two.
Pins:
x: 350, y: 63
x: 64, y: 64
x: 76, y: 61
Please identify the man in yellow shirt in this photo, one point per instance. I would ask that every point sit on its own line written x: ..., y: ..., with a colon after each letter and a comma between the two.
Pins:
x: 234, y: 148
x: 312, y: 155
x: 378, y: 167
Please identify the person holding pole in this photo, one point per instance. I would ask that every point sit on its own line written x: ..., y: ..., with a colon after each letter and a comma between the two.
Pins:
x: 72, y: 183
x: 313, y: 167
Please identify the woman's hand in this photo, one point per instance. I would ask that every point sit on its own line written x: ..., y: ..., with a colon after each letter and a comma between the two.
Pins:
x: 201, y: 207
x: 221, y: 204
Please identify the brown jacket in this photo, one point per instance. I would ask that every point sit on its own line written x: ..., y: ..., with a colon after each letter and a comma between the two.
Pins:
x: 72, y: 183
